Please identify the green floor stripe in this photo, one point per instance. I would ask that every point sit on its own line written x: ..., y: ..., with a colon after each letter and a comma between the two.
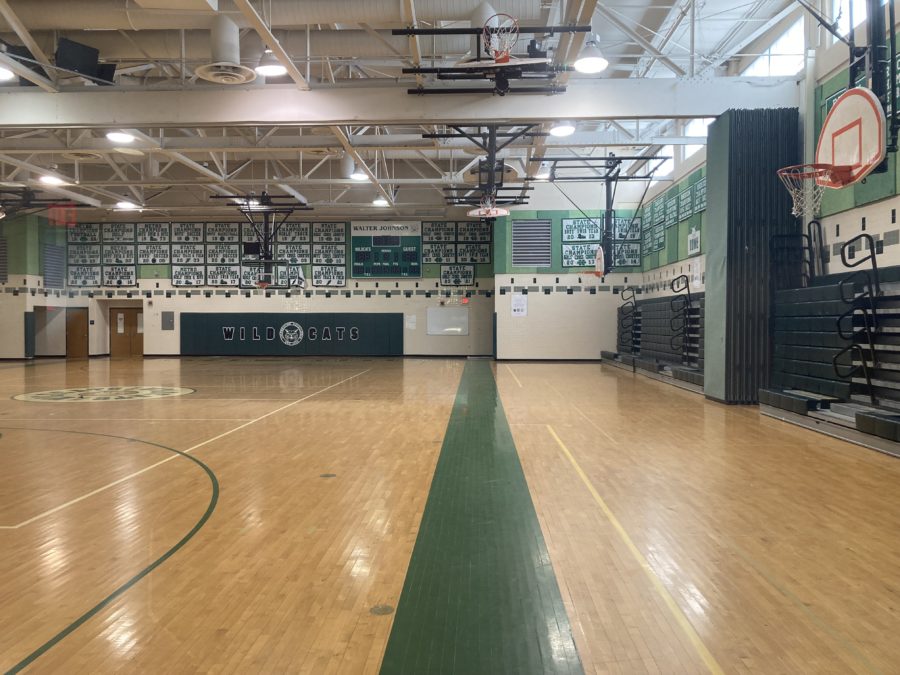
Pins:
x: 480, y: 594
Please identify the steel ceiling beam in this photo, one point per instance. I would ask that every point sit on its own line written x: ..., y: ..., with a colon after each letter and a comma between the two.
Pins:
x: 601, y: 99
x: 640, y: 39
x: 25, y: 36
x: 27, y: 73
x: 272, y: 42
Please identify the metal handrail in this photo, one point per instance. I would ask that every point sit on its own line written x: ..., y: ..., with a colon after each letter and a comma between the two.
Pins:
x: 680, y: 303
x: 870, y: 240
x: 854, y: 369
x: 816, y: 243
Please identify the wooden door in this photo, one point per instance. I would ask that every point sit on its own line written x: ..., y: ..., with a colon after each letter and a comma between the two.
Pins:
x: 126, y: 332
x: 76, y: 332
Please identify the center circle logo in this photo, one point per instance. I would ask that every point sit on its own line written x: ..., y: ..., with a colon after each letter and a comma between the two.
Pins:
x: 291, y: 334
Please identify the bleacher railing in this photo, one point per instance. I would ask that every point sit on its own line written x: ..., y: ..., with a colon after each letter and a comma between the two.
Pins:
x: 680, y: 303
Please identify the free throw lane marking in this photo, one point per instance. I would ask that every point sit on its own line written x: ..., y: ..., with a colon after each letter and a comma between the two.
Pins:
x: 169, y: 459
x: 509, y: 368
x: 705, y: 655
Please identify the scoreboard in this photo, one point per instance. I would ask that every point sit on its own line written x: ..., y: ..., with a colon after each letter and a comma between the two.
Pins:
x: 386, y: 250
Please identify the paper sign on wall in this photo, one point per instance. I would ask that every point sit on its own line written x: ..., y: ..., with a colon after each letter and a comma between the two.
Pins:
x: 519, y: 305
x: 694, y: 242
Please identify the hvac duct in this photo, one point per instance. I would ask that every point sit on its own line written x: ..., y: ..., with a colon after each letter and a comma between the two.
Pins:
x: 166, y: 45
x: 118, y: 15
x: 225, y: 43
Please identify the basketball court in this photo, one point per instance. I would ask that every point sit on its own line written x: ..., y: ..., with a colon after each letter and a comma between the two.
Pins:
x: 515, y: 338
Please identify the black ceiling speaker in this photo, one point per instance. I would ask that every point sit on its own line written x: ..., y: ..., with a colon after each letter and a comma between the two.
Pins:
x: 77, y: 57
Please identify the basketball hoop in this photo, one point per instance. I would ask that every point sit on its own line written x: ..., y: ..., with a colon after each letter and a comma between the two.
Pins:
x: 816, y: 177
x: 500, y: 35
x: 488, y: 209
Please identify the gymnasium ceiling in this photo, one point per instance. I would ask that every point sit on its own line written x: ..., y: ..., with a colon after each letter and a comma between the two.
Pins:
x: 669, y: 60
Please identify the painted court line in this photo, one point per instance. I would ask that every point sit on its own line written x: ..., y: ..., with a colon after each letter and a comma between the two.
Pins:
x: 705, y: 655
x: 509, y: 368
x: 169, y: 459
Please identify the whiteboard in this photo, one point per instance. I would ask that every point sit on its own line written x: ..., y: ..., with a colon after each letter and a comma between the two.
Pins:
x: 452, y: 320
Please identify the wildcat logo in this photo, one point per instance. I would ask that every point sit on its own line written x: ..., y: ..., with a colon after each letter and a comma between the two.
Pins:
x: 291, y: 334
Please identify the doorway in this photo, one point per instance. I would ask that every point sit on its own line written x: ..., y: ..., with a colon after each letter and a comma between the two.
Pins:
x: 76, y: 332
x: 126, y: 332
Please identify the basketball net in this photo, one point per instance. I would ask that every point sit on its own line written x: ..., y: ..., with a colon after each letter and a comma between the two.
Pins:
x: 598, y: 262
x: 806, y: 184
x: 499, y: 35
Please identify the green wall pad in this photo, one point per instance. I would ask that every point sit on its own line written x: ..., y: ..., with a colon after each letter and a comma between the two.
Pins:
x: 313, y: 334
x: 480, y: 594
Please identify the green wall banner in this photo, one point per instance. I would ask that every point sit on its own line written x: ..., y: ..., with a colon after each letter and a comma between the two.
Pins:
x: 386, y: 250
x: 285, y: 334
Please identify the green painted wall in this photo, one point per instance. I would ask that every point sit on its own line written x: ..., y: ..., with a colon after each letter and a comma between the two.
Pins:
x: 676, y: 243
x: 503, y: 241
x: 23, y: 235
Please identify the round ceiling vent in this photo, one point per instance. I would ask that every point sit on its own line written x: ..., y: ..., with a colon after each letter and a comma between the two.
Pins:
x: 82, y: 155
x: 225, y: 73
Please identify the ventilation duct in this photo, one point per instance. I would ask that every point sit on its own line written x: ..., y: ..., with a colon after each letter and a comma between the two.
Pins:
x: 119, y: 15
x: 225, y: 43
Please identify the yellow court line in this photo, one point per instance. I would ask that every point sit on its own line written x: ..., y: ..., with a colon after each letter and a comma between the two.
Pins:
x: 169, y: 459
x: 705, y: 655
x: 509, y: 368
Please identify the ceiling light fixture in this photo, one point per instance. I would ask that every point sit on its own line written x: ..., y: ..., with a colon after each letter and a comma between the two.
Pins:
x: 120, y: 137
x: 590, y: 59
x: 358, y: 174
x: 562, y: 128
x: 127, y: 206
x: 380, y: 201
x: 270, y: 66
x: 48, y: 179
x: 6, y: 74
x: 543, y: 172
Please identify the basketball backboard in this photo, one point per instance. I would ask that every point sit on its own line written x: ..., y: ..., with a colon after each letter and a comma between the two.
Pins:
x: 852, y: 136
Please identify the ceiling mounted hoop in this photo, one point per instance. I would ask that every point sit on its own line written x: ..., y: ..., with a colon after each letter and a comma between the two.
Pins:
x: 499, y: 35
x: 806, y: 184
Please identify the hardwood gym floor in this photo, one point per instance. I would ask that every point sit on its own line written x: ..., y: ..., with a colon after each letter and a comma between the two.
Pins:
x: 578, y: 518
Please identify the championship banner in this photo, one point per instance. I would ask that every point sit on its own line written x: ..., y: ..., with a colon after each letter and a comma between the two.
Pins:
x: 118, y: 232
x: 438, y: 253
x: 84, y: 254
x: 223, y: 233
x: 84, y: 276
x: 188, y: 254
x: 579, y: 255
x: 296, y: 254
x: 223, y: 254
x: 438, y: 232
x: 223, y: 275
x: 290, y: 233
x: 153, y: 254
x: 582, y: 229
x: 457, y: 275
x: 119, y: 275
x: 473, y: 230
x: 118, y: 254
x: 329, y: 232
x: 473, y: 253
x: 188, y: 275
x: 187, y: 232
x: 153, y: 232
x: 84, y: 233
x: 329, y: 275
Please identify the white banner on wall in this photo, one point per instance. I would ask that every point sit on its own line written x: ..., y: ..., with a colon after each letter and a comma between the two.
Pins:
x: 84, y: 275
x: 84, y: 254
x: 224, y: 233
x: 438, y: 253
x: 188, y: 254
x: 329, y: 232
x: 187, y: 232
x: 223, y: 254
x: 457, y: 275
x: 329, y: 254
x: 188, y: 275
x: 118, y: 232
x: 223, y: 275
x: 119, y: 275
x: 329, y: 275
x: 296, y: 254
x: 153, y: 232
x: 118, y: 254
x: 153, y: 254
x: 84, y: 233
x: 290, y: 233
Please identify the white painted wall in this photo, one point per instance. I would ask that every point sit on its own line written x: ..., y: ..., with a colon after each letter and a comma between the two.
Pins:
x: 12, y: 326
x: 50, y: 331
x: 557, y: 326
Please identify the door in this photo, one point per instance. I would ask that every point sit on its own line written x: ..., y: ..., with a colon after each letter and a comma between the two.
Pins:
x: 76, y: 332
x: 126, y: 332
